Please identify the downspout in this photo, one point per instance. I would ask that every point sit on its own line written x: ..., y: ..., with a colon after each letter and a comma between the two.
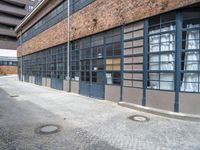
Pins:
x: 21, y: 55
x: 68, y: 46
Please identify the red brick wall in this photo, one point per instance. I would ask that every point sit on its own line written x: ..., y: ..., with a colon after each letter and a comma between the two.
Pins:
x: 5, y: 70
x: 52, y: 36
x: 99, y: 16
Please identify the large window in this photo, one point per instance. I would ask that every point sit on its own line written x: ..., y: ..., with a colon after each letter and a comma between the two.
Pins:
x: 57, y: 62
x: 75, y: 61
x: 85, y: 50
x: 44, y: 63
x: 38, y: 64
x: 33, y: 64
x: 97, y: 44
x: 26, y: 65
x: 161, y: 54
x: 133, y: 55
x: 79, y: 4
x: 48, y: 63
x: 8, y: 63
x: 56, y: 15
x: 190, y: 76
x: 113, y: 56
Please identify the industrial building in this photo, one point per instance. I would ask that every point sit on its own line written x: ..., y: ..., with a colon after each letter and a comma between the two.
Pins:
x: 139, y: 52
x: 11, y: 14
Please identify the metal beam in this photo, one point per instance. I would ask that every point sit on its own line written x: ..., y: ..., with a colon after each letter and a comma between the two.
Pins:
x: 178, y: 60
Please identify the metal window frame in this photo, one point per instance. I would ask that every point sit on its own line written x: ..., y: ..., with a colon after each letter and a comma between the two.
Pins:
x: 159, y: 71
x: 50, y: 20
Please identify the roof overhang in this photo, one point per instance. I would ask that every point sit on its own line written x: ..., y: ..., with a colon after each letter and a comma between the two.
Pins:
x: 31, y: 15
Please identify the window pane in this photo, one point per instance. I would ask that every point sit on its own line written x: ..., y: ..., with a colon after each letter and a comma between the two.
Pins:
x: 162, y: 51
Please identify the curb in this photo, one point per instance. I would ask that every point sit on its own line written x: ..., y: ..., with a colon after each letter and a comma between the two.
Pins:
x: 164, y: 113
x: 8, y: 76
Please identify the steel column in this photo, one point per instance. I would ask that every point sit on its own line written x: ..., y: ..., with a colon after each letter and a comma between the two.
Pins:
x: 145, y: 61
x: 122, y: 64
x: 178, y: 59
x: 68, y: 45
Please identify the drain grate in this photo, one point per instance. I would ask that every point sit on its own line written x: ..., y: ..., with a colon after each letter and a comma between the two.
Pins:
x: 48, y: 129
x: 139, y: 118
x: 14, y: 96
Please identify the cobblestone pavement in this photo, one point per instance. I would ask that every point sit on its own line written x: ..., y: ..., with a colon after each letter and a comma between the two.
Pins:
x: 87, y: 124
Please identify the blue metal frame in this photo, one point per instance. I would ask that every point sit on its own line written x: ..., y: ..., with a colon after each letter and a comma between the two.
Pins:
x: 63, y: 67
x: 122, y: 63
x: 70, y: 68
x: 91, y: 88
x: 80, y: 5
x: 160, y: 53
x: 51, y: 19
x: 145, y: 61
x: 80, y: 53
x: 104, y: 63
x: 178, y: 59
x: 177, y: 69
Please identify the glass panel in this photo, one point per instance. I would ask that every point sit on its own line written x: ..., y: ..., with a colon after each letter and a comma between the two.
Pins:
x: 128, y: 83
x: 128, y: 51
x: 128, y: 36
x: 138, y: 84
x: 128, y: 75
x: 128, y: 60
x: 134, y: 62
x: 191, y: 57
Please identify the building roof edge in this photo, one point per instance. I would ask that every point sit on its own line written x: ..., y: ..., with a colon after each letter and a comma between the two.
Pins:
x: 30, y: 15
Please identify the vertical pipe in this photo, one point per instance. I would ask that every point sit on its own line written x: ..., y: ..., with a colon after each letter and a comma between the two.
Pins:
x: 21, y: 55
x: 68, y: 45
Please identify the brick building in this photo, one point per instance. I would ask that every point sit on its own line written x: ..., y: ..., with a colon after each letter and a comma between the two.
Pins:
x: 11, y: 14
x: 140, y: 52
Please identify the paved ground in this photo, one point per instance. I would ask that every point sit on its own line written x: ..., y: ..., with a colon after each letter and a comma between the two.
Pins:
x: 87, y: 124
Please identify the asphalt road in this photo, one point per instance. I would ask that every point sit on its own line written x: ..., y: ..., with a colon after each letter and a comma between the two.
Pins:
x: 86, y: 123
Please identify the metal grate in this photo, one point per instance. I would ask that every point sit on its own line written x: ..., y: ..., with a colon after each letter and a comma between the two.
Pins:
x: 14, y: 96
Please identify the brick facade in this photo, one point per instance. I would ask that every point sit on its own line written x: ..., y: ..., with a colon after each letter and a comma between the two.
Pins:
x: 6, y: 70
x: 99, y: 16
x: 51, y: 37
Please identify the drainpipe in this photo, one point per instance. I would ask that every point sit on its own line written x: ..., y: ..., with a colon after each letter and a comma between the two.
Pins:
x: 21, y: 55
x: 68, y: 45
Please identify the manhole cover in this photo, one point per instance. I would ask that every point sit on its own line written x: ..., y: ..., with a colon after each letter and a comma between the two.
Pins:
x: 139, y: 118
x: 48, y: 129
x: 14, y: 96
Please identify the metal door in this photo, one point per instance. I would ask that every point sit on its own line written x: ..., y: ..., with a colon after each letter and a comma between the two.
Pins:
x: 26, y: 78
x: 57, y: 83
x: 91, y: 83
x: 38, y: 80
x: 85, y: 77
x: 92, y: 67
x: 57, y: 67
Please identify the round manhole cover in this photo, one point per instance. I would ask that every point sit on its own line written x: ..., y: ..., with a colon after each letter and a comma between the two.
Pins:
x: 48, y: 129
x: 139, y: 118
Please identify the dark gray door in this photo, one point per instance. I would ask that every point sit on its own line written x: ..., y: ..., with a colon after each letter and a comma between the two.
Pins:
x: 92, y: 78
x: 57, y: 68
